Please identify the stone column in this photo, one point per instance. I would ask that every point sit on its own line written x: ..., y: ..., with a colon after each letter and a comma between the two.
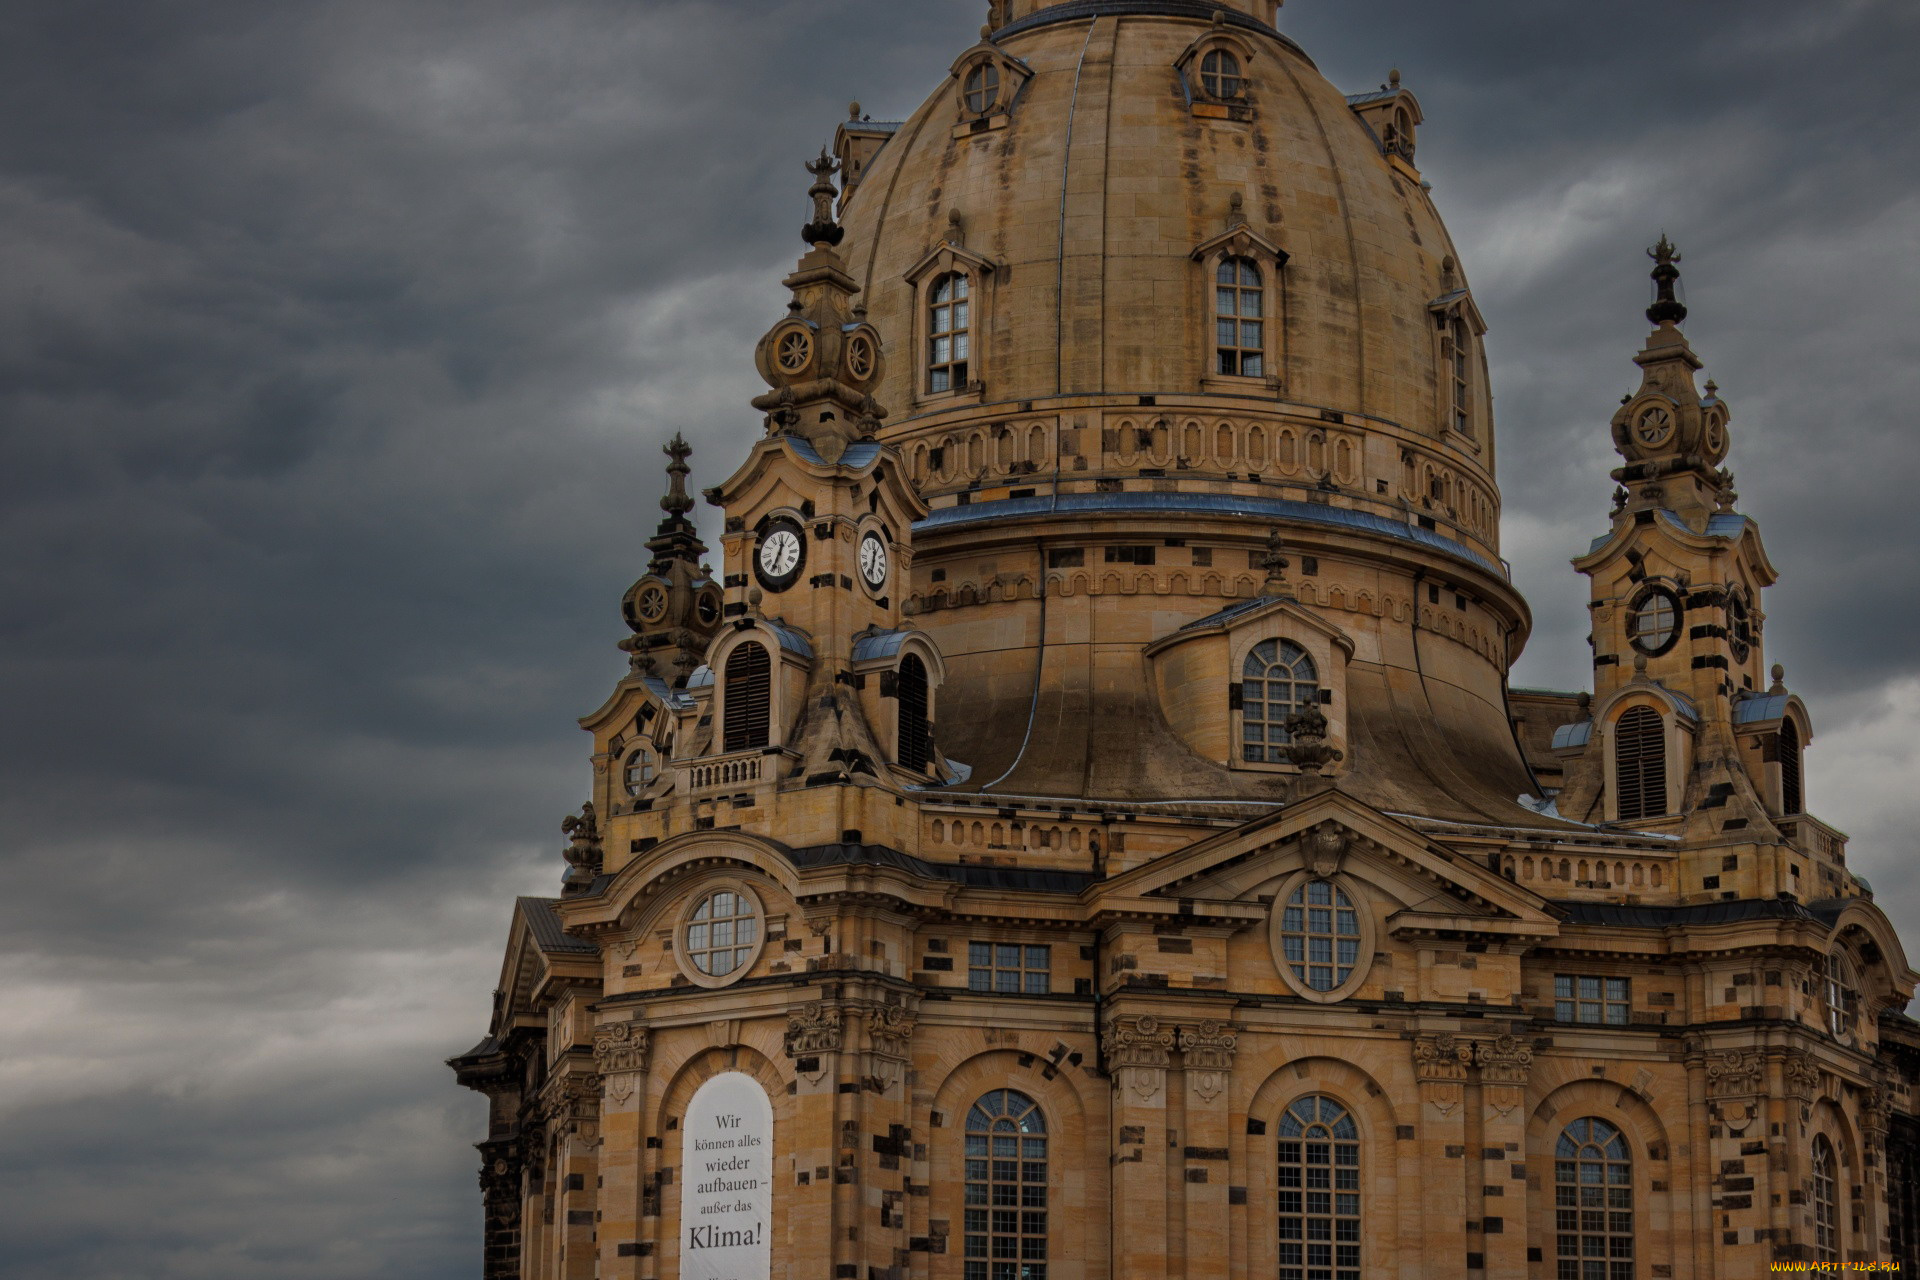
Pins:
x: 1440, y: 1065
x: 1207, y: 1060
x: 887, y: 1144
x: 501, y: 1195
x: 1501, y: 1165
x: 620, y: 1052
x: 816, y: 1225
x: 1739, y: 1128
x: 573, y: 1101
x: 1139, y: 1049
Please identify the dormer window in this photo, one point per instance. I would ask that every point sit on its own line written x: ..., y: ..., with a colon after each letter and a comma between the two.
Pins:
x: 914, y: 729
x: 949, y: 333
x: 981, y: 89
x: 748, y: 693
x: 1640, y: 764
x: 1791, y: 799
x: 1278, y: 681
x: 1220, y: 76
x: 1240, y: 318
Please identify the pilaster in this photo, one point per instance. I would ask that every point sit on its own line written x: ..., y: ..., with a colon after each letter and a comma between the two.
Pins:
x: 1207, y: 1052
x: 620, y: 1055
x: 824, y: 1164
x: 1139, y: 1052
x: 1440, y: 1064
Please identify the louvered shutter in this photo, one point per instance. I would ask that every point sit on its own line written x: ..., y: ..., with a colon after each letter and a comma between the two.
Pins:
x: 916, y: 739
x: 749, y: 695
x: 1640, y: 764
x: 1790, y: 797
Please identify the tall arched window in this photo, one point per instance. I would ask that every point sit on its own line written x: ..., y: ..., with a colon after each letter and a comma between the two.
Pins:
x: 1457, y: 350
x: 1640, y: 764
x: 1277, y: 681
x: 1240, y: 318
x: 1593, y: 1203
x: 916, y: 736
x: 1006, y: 1189
x: 949, y: 332
x: 749, y: 698
x: 1319, y: 1186
x: 1826, y: 1203
x: 1791, y: 800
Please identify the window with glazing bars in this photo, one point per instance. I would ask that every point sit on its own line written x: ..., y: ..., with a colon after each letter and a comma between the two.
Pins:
x: 1320, y: 935
x: 749, y: 698
x: 1006, y: 1189
x: 1582, y: 998
x: 1458, y: 349
x: 949, y: 333
x: 1277, y: 681
x: 1009, y: 967
x: 1593, y: 1203
x: 916, y: 734
x: 1240, y: 318
x: 1640, y: 764
x: 1319, y: 1186
x: 1826, y: 1203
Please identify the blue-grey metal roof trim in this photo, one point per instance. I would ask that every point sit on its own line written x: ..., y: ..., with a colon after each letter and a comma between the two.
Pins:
x: 858, y: 454
x: 1377, y: 95
x: 1725, y: 524
x: 790, y: 640
x: 1573, y: 735
x: 544, y: 925
x: 1759, y: 708
x: 874, y: 126
x: 1616, y: 915
x: 1253, y: 508
x: 875, y: 855
x: 666, y: 692
x: 1687, y: 706
x: 702, y: 677
x: 882, y: 644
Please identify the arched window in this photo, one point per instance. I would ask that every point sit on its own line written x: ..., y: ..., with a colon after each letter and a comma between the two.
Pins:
x: 982, y: 88
x: 1320, y: 935
x: 1240, y: 318
x: 1277, y: 681
x: 1220, y: 75
x: 1826, y: 1203
x: 1457, y: 349
x: 638, y: 771
x: 1319, y: 1192
x: 949, y: 332
x: 1593, y: 1203
x: 1842, y: 994
x: 749, y: 698
x: 1006, y: 1189
x: 916, y: 734
x: 1640, y: 764
x: 1791, y: 800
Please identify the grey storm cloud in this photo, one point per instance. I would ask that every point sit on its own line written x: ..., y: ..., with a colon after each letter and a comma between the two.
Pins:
x: 337, y: 341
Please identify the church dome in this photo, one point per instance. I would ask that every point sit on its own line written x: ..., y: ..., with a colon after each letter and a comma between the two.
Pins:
x: 1152, y: 290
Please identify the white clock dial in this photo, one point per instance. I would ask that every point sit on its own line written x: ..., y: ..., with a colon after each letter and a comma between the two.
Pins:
x: 873, y: 560
x: 779, y: 553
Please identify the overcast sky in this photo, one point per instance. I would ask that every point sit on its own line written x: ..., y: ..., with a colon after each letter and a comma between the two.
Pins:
x: 337, y: 343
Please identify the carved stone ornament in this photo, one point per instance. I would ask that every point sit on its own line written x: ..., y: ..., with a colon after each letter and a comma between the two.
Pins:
x: 1139, y: 1050
x: 1876, y: 1108
x: 889, y: 1029
x: 500, y: 1168
x: 1504, y: 1061
x: 1441, y: 1059
x: 1325, y: 848
x: 571, y: 1106
x: 620, y: 1048
x: 1803, y: 1077
x: 1735, y: 1074
x: 1209, y: 1050
x: 818, y: 1027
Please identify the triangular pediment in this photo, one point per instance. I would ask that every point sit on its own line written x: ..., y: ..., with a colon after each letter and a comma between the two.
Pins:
x: 1441, y: 892
x: 1240, y: 241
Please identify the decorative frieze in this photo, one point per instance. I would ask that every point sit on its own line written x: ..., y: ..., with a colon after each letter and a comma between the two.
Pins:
x: 1139, y: 1050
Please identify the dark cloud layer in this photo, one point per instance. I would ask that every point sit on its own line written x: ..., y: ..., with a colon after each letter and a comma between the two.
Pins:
x: 336, y: 343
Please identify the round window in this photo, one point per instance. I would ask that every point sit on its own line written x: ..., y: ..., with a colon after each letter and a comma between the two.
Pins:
x: 1220, y: 75
x: 638, y: 771
x: 983, y: 88
x: 1654, y: 625
x: 1322, y: 937
x: 720, y: 936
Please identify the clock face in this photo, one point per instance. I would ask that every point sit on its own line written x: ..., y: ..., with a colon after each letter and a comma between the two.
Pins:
x: 874, y: 561
x: 778, y: 560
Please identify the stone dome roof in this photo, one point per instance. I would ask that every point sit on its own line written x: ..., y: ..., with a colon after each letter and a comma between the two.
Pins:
x: 1102, y: 173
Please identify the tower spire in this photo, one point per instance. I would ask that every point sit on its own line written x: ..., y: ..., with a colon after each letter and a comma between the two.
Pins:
x: 675, y: 608
x: 1667, y: 307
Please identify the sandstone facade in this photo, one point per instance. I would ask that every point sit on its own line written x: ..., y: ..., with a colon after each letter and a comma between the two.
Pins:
x: 1087, y: 797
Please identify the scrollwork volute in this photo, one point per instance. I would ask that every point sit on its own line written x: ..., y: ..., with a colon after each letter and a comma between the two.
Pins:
x: 1208, y: 1050
x: 814, y: 1028
x: 620, y: 1048
x: 1139, y: 1050
x: 1734, y: 1073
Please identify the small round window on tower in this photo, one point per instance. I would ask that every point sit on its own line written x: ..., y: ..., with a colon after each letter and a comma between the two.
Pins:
x: 1220, y: 75
x: 1654, y: 624
x: 638, y: 771
x: 983, y: 88
x: 721, y: 935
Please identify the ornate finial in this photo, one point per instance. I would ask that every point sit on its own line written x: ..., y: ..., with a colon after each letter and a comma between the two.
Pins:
x: 1640, y: 666
x: 823, y: 230
x: 853, y: 109
x: 1307, y: 747
x: 1667, y: 308
x: 1275, y: 563
x: 677, y: 502
x: 1779, y: 679
x: 1219, y: 17
x: 956, y: 229
x: 1393, y: 78
x: 582, y: 853
x: 1713, y: 389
